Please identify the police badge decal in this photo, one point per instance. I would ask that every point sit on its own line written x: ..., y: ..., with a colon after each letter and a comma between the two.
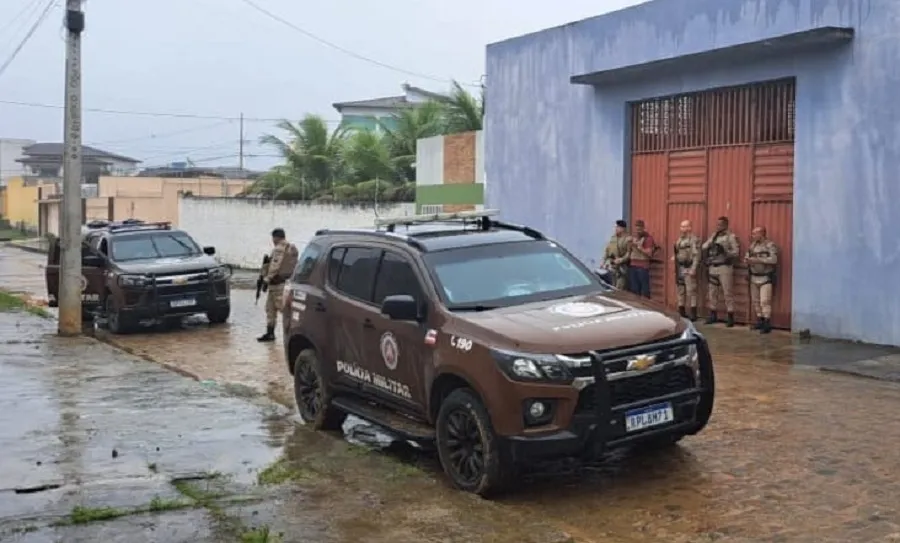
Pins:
x: 389, y: 350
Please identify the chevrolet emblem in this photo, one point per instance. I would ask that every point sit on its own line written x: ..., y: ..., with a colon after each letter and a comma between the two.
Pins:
x: 180, y: 280
x: 641, y: 362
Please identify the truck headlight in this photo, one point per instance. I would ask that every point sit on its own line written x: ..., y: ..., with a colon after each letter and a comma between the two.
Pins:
x: 693, y: 355
x: 134, y: 280
x: 220, y: 273
x: 532, y: 367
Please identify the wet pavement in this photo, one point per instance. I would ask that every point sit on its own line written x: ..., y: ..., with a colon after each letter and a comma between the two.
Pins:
x: 791, y: 454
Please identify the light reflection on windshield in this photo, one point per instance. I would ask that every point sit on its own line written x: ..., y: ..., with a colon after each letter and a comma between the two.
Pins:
x: 156, y: 245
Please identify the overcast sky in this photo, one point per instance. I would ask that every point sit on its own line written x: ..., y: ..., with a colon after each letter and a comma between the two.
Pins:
x: 223, y: 58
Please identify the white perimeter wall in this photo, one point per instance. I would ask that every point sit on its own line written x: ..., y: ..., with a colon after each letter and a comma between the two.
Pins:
x: 240, y: 229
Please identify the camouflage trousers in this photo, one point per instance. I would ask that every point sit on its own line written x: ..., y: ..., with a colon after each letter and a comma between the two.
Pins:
x: 274, y: 303
x: 687, y: 290
x: 720, y: 277
x: 761, y: 298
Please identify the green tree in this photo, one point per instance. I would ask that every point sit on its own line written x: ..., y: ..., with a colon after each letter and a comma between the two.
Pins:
x: 313, y: 155
x: 463, y: 112
x: 409, y: 126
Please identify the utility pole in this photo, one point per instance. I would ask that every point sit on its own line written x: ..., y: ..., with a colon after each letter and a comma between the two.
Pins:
x: 241, y: 155
x: 70, y: 238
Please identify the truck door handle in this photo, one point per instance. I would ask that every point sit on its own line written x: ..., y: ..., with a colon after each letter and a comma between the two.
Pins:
x: 320, y: 307
x: 368, y: 323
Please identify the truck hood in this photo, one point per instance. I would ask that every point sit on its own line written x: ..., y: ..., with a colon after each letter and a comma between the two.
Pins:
x: 603, y: 320
x: 168, y: 265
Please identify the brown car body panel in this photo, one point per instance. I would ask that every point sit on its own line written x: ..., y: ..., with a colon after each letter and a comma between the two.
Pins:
x: 622, y: 320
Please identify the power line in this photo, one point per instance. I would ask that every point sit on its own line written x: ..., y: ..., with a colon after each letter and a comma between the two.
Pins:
x: 28, y: 36
x: 155, y: 113
x: 28, y: 7
x: 163, y: 135
x: 344, y: 50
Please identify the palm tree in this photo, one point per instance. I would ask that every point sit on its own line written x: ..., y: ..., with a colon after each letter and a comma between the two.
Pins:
x: 463, y: 112
x: 367, y: 156
x: 311, y: 151
x: 408, y: 126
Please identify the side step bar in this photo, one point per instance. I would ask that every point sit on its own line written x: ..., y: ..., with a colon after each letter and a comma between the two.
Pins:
x: 404, y: 428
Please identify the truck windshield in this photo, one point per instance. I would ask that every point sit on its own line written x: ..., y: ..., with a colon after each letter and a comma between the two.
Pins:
x: 155, y: 245
x: 485, y: 277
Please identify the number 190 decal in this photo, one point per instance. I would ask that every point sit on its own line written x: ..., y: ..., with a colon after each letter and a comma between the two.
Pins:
x: 461, y: 343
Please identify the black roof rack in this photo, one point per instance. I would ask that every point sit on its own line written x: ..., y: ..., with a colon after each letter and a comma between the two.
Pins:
x: 480, y: 218
x: 137, y: 225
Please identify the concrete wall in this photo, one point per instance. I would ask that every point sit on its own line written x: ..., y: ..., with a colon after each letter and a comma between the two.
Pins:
x: 156, y: 198
x: 555, y: 152
x: 240, y: 229
x: 20, y: 201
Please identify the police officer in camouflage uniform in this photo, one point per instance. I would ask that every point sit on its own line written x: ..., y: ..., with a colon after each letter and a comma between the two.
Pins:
x: 687, y: 262
x: 279, y: 269
x: 761, y: 260
x: 615, y: 257
x: 722, y: 251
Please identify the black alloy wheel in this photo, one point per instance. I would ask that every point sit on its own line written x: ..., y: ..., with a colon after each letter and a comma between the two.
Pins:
x: 465, y: 448
x: 313, y: 395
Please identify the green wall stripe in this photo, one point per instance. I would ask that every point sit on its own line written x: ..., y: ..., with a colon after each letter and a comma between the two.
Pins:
x: 455, y: 194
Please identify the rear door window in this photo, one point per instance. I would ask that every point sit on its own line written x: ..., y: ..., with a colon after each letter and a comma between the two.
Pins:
x: 306, y: 263
x: 396, y: 276
x: 356, y: 277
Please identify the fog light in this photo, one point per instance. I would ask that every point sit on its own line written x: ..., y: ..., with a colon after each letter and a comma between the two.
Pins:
x: 538, y: 412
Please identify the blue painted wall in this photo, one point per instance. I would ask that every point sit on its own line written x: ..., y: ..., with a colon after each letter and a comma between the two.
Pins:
x: 555, y: 152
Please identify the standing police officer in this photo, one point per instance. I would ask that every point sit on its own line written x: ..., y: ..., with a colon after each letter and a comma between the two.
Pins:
x: 722, y: 250
x: 279, y: 269
x: 761, y: 259
x: 687, y: 261
x: 615, y: 257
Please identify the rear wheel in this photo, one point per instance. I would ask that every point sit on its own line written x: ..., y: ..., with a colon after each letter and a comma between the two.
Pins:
x: 313, y: 395
x: 471, y: 453
x: 219, y: 315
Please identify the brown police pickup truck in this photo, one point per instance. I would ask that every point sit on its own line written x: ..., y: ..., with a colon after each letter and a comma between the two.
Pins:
x: 490, y: 342
x: 135, y: 272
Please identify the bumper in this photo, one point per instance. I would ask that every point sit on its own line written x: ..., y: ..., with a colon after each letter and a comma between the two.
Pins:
x: 600, y: 425
x: 168, y: 302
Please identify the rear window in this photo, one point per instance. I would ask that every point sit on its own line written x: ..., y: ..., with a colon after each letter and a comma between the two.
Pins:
x: 356, y: 276
x: 508, y: 274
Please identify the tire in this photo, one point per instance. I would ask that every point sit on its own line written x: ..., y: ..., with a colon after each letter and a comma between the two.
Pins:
x: 463, y: 417
x: 115, y: 323
x: 219, y: 315
x: 313, y: 395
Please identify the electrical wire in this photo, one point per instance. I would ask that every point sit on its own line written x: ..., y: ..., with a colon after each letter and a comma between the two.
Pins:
x: 155, y: 113
x: 162, y: 135
x: 28, y: 8
x: 344, y: 50
x: 41, y: 18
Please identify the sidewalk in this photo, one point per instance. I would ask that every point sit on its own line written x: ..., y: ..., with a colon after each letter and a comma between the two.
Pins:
x: 100, y: 445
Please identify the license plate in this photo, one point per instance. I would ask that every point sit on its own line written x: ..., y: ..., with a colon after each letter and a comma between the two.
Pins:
x: 648, y: 417
x: 190, y: 302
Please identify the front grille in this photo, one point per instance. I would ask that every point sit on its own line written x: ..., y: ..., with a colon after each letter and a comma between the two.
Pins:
x: 178, y: 290
x: 640, y: 387
x: 616, y: 365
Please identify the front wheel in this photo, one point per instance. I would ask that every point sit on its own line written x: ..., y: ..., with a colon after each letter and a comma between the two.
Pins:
x: 116, y: 323
x: 471, y: 453
x: 313, y: 395
x: 219, y: 315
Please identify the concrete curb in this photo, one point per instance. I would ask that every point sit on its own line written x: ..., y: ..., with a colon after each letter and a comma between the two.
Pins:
x: 860, y: 374
x: 26, y: 248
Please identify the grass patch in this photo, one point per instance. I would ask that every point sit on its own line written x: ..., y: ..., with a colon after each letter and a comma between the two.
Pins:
x: 11, y: 302
x: 283, y: 471
x: 203, y: 496
x: 7, y: 234
x: 159, y: 504
x: 86, y: 515
x: 260, y: 535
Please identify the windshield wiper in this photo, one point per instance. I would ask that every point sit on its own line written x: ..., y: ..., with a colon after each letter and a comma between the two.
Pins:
x: 472, y: 307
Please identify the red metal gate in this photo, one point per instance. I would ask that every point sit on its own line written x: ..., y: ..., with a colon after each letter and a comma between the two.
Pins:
x: 722, y: 152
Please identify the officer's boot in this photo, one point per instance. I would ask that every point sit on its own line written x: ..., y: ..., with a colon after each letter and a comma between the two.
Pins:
x: 712, y: 318
x: 268, y: 336
x: 765, y: 326
x: 693, y: 314
x: 729, y: 322
x: 682, y: 312
x: 758, y: 324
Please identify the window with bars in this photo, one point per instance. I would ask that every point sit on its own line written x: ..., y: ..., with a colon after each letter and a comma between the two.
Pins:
x: 762, y: 113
